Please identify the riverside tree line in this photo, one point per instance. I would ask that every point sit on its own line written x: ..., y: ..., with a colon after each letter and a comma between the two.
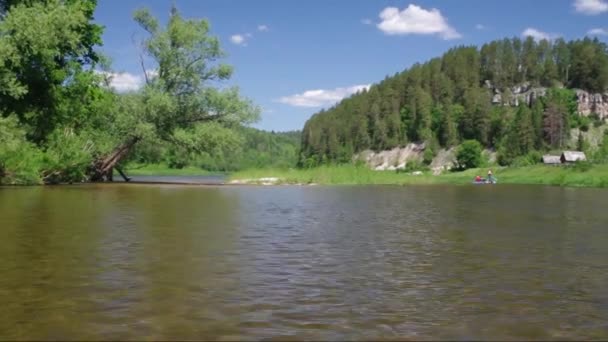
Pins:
x: 446, y: 101
x: 61, y: 122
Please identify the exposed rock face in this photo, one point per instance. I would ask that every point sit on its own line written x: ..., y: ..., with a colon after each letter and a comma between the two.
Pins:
x: 592, y: 103
x: 398, y: 158
x: 393, y: 159
x: 588, y: 103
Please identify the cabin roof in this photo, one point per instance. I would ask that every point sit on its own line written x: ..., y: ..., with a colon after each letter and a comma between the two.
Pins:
x: 549, y: 159
x: 573, y: 156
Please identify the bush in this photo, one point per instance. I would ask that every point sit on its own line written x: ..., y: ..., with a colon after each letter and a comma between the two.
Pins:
x: 584, y: 123
x: 595, y: 118
x: 532, y: 158
x: 20, y: 161
x: 67, y: 157
x: 582, y: 166
x: 468, y: 155
x: 413, y: 165
x: 430, y: 151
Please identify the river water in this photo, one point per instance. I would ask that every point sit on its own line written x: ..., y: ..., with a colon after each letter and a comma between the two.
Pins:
x: 175, y: 262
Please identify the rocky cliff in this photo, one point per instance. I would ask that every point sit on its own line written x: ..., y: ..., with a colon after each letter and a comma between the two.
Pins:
x: 592, y: 103
x: 588, y: 103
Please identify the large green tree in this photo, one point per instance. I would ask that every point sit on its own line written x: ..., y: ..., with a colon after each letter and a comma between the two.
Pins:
x: 178, y: 104
x: 47, y: 52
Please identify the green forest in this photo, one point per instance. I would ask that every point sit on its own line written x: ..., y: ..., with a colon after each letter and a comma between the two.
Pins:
x: 60, y: 121
x: 449, y: 99
x: 254, y: 149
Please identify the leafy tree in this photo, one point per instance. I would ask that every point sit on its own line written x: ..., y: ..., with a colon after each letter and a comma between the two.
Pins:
x: 174, y: 104
x: 44, y: 48
x: 468, y: 154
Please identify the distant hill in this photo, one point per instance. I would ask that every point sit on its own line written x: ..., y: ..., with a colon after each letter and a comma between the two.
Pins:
x: 454, y: 98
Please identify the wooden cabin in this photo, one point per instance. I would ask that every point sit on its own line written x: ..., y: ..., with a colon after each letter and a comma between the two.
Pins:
x: 551, y: 160
x: 570, y: 157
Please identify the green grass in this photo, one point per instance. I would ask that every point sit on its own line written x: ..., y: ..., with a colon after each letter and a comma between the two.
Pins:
x: 595, y: 176
x: 163, y: 170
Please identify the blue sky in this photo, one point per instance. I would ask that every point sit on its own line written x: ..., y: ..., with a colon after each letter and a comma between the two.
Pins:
x: 293, y: 58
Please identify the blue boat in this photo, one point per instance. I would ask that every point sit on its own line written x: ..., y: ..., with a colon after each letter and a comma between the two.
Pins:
x: 484, y: 181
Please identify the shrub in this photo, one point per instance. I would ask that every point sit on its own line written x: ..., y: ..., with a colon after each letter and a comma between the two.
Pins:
x: 584, y: 123
x: 414, y: 165
x: 582, y: 166
x: 532, y: 158
x: 67, y: 157
x: 595, y: 118
x: 468, y: 155
x: 430, y: 151
x: 20, y: 161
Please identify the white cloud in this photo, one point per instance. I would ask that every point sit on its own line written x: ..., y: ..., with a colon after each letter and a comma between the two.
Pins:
x: 415, y: 20
x: 591, y: 7
x: 152, y: 73
x: 480, y: 27
x: 598, y: 32
x: 123, y: 82
x: 321, y: 97
x: 366, y: 21
x: 237, y: 39
x: 262, y: 28
x: 538, y: 35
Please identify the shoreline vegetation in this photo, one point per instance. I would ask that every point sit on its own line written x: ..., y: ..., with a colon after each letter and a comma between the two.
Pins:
x: 583, y: 175
x: 164, y: 170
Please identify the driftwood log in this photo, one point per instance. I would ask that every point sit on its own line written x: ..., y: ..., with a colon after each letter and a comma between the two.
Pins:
x: 102, y: 169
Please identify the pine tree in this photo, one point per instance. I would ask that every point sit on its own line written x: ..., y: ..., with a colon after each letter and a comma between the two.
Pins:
x: 537, y: 123
x: 553, y: 124
x: 524, y: 129
x: 380, y: 136
x: 361, y: 140
x: 449, y: 136
x: 424, y: 104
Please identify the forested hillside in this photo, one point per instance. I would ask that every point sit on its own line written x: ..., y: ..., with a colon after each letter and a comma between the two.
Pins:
x: 449, y: 99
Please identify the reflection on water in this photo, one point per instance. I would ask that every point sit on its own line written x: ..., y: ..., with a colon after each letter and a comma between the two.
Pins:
x: 178, y: 262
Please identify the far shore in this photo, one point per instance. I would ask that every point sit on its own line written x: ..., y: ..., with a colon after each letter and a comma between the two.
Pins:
x: 569, y: 176
x: 588, y: 176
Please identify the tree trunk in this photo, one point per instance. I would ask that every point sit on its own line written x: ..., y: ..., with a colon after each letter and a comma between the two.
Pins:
x: 102, y: 168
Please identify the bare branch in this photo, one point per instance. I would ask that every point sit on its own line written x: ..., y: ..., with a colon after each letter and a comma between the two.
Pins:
x: 141, y: 57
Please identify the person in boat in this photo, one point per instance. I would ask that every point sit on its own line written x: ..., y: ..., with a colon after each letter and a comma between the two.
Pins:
x: 490, y: 176
x: 477, y: 179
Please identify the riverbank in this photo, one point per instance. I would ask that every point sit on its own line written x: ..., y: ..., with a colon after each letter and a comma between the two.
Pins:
x: 164, y: 170
x: 588, y: 176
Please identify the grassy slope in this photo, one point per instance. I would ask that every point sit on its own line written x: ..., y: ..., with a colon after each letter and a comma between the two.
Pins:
x: 597, y: 176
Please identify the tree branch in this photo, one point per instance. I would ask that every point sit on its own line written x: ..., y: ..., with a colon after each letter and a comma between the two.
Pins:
x: 141, y: 58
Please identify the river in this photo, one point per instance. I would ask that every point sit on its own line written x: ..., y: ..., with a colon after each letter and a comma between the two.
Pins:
x: 176, y: 262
